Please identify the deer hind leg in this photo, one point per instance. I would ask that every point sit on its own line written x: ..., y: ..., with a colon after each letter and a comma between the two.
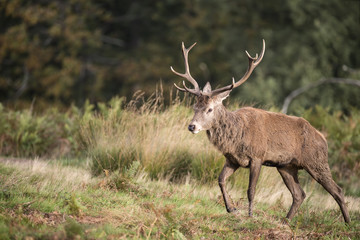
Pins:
x: 290, y: 178
x: 323, y: 176
x: 253, y: 178
x: 227, y: 171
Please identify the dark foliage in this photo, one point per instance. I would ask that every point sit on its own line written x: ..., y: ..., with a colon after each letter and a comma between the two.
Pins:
x: 60, y: 52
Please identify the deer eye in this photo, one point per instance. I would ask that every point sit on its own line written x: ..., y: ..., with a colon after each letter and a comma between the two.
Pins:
x: 209, y: 110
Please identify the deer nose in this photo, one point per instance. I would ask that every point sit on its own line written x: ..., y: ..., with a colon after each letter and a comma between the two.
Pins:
x: 191, y: 127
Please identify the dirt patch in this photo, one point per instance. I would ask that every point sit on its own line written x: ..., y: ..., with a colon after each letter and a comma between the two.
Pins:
x: 90, y: 219
x: 52, y: 219
x: 269, y: 234
x: 37, y: 217
x: 275, y: 234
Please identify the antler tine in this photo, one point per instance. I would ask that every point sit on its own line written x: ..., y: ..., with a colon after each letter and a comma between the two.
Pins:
x: 187, y: 74
x: 186, y: 89
x: 193, y: 91
x: 253, y: 62
x: 179, y: 88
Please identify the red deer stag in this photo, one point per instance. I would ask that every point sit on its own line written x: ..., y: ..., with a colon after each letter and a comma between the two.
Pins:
x: 251, y: 137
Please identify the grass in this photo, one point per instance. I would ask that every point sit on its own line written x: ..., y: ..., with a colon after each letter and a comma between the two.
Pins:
x: 131, y: 170
x: 113, y: 135
x: 155, y: 137
x: 50, y: 200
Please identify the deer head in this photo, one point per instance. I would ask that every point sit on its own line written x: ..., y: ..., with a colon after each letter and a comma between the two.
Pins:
x: 209, y: 102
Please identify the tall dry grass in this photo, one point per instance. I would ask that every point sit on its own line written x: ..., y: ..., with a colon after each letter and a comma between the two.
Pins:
x: 143, y: 131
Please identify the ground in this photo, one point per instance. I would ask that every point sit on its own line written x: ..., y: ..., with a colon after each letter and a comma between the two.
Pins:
x: 51, y: 199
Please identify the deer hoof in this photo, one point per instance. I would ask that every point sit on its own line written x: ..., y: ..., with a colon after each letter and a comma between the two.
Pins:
x: 230, y: 210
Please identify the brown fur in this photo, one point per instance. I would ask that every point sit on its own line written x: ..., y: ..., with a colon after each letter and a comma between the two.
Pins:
x: 251, y: 137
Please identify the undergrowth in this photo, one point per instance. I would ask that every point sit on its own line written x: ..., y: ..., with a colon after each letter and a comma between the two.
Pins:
x: 113, y: 135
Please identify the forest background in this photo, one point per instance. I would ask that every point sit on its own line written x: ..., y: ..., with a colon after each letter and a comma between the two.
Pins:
x: 63, y: 52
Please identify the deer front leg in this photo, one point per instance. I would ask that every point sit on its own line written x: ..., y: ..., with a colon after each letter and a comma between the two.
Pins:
x: 254, y: 176
x: 226, y: 172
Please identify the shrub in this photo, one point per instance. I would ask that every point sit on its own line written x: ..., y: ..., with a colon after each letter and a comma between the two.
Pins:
x: 125, y: 180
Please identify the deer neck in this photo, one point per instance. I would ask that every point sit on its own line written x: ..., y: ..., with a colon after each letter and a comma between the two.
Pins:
x: 226, y: 130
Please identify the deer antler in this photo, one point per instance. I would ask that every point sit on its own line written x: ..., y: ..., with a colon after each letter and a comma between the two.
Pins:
x: 187, y: 74
x: 253, y: 62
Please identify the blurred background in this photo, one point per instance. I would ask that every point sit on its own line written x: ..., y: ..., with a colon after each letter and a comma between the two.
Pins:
x: 61, y: 52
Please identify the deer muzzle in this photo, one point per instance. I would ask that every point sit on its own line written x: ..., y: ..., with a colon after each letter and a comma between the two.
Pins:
x: 191, y: 127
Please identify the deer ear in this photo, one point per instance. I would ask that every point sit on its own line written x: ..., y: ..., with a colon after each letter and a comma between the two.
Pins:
x: 222, y: 96
x: 207, y: 88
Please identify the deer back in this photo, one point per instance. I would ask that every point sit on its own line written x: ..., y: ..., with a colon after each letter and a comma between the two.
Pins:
x: 273, y: 138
